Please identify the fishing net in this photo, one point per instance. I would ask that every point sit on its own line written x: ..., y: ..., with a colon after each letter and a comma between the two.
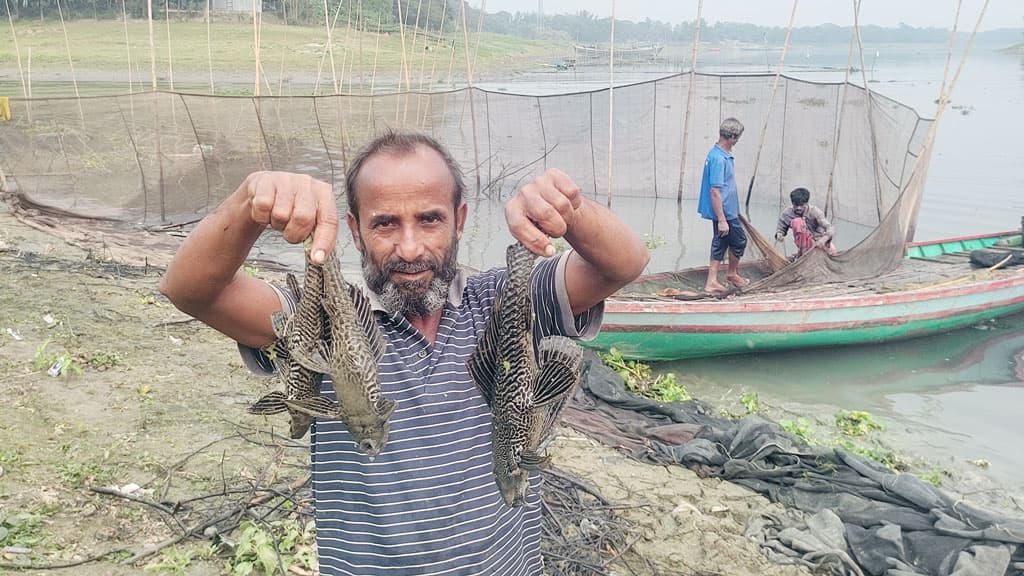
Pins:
x: 158, y: 161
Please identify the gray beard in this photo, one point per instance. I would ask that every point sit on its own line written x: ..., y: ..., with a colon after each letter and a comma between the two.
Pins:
x: 417, y: 299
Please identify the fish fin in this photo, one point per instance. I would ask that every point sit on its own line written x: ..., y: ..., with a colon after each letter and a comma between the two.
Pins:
x: 281, y: 323
x: 293, y: 285
x: 368, y: 321
x: 318, y: 406
x: 270, y: 403
x: 483, y: 362
x: 313, y: 357
x: 385, y: 408
x: 559, y: 363
x: 533, y: 461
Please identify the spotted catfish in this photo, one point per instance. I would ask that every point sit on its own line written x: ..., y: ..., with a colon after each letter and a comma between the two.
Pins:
x: 350, y: 357
x: 525, y: 390
x: 297, y: 331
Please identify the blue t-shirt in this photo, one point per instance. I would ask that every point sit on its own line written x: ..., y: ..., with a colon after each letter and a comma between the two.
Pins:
x: 428, y: 504
x: 719, y: 173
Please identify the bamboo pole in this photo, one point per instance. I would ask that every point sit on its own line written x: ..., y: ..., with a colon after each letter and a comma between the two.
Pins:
x: 611, y: 105
x: 17, y: 51
x: 152, y: 44
x: 209, y: 46
x: 875, y: 163
x: 373, y: 72
x: 689, y: 102
x: 170, y: 60
x: 256, y: 49
x: 412, y: 62
x: 405, y: 66
x: 128, y: 49
x: 469, y: 95
x: 771, y: 102
x: 911, y: 216
x: 28, y: 82
x: 480, y: 30
x: 71, y: 63
x: 284, y: 52
x: 839, y: 125
x: 362, y: 33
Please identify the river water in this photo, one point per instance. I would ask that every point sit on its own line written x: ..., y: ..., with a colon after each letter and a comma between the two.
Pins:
x: 949, y: 401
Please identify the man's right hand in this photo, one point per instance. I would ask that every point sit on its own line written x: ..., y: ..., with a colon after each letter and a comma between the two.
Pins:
x: 723, y: 228
x: 296, y: 205
x: 779, y: 236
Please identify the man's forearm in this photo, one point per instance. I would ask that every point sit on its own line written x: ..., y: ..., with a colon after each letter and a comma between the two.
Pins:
x: 716, y: 204
x: 606, y: 243
x: 212, y: 254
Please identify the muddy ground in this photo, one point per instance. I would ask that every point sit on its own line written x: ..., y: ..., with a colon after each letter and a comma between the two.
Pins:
x: 154, y: 399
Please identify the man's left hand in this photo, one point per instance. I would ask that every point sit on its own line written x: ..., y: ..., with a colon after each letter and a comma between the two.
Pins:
x: 543, y: 209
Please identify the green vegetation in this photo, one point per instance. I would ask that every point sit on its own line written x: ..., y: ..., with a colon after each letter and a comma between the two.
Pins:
x: 293, y: 58
x: 856, y: 423
x: 63, y: 364
x: 273, y: 548
x: 801, y: 428
x: 641, y: 381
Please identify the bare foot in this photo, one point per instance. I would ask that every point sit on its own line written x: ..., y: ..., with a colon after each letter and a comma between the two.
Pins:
x: 714, y: 287
x: 737, y: 280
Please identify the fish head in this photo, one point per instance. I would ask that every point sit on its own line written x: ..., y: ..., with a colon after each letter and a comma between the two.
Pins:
x: 370, y: 432
x: 513, y: 486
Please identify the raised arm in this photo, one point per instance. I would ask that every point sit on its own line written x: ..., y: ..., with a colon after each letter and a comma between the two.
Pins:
x: 205, y: 279
x: 607, y: 254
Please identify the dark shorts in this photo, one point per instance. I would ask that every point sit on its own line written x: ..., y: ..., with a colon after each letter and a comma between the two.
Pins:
x: 736, y: 241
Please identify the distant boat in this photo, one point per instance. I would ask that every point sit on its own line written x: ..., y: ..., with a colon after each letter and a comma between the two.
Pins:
x: 592, y: 54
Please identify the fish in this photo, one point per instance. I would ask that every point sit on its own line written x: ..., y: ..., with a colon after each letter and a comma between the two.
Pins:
x: 525, y: 388
x: 296, y: 331
x: 350, y: 356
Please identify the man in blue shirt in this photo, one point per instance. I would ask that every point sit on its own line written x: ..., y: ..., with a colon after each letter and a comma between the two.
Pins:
x: 720, y: 203
x: 428, y: 503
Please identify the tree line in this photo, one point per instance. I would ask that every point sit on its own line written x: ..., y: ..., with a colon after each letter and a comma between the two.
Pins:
x: 429, y: 15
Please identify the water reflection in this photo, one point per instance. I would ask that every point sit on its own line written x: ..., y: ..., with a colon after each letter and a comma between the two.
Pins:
x: 952, y: 397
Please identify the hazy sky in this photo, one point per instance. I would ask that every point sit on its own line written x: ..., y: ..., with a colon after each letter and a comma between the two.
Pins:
x: 917, y: 13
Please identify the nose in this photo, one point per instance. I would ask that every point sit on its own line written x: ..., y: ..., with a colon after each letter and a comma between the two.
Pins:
x: 408, y: 246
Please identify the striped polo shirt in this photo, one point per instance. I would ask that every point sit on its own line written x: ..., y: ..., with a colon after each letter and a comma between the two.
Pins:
x: 428, y: 503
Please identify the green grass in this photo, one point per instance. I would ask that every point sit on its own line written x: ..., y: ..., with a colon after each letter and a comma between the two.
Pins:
x: 288, y: 54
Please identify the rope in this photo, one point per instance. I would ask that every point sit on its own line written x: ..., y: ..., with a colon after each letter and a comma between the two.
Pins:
x: 17, y: 51
x: 771, y: 103
x: 611, y: 104
x: 689, y: 101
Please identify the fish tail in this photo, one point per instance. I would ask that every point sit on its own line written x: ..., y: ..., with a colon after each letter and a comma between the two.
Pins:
x: 299, y: 425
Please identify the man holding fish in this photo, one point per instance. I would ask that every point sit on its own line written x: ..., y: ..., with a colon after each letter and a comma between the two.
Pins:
x: 427, y: 503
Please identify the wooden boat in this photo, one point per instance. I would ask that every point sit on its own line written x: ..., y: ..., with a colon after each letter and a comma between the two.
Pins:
x: 936, y: 289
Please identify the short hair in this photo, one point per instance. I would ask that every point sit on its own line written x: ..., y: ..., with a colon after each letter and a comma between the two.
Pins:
x: 800, y: 196
x: 730, y: 128
x: 399, y: 143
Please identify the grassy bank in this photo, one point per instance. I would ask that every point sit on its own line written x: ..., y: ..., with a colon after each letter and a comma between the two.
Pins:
x: 186, y: 53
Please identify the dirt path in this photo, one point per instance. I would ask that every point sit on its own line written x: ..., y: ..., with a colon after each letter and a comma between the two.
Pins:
x: 151, y: 398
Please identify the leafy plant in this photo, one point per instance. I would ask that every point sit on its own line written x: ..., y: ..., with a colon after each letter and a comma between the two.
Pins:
x: 55, y: 364
x: 103, y: 360
x: 801, y: 428
x: 653, y: 241
x: 857, y: 422
x: 641, y: 381
x: 750, y: 403
x: 273, y: 547
x: 20, y: 529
